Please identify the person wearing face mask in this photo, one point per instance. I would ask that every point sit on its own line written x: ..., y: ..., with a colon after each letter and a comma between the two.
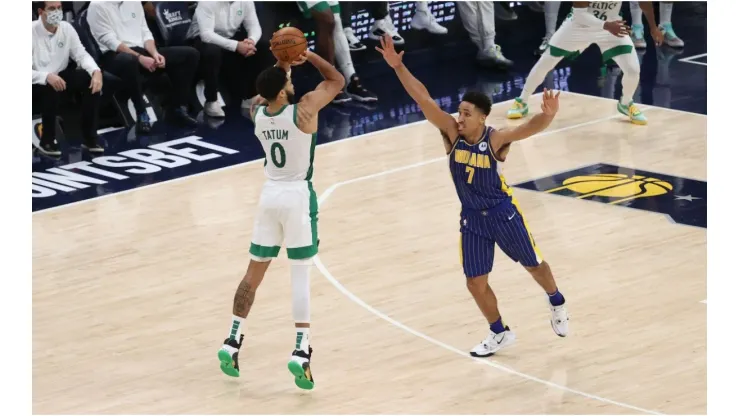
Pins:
x: 54, y: 43
x: 129, y: 51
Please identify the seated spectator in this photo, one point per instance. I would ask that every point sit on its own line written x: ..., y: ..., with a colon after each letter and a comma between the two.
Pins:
x: 216, y: 35
x: 54, y: 43
x: 479, y: 20
x: 331, y: 42
x: 129, y: 51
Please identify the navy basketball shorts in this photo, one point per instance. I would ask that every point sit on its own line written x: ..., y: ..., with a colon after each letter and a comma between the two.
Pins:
x: 481, y: 231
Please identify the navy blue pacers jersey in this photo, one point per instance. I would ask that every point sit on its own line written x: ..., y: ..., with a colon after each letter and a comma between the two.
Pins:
x: 490, y: 214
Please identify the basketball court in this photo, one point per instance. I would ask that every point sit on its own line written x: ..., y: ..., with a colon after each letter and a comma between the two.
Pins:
x: 132, y: 292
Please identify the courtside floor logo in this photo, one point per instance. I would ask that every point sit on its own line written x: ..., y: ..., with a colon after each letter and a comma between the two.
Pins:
x: 684, y: 200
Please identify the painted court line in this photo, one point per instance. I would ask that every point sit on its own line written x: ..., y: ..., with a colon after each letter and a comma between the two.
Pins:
x: 327, y: 274
x: 690, y: 59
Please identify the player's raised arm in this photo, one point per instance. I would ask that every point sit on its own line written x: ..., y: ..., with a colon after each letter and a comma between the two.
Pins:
x: 324, y: 93
x: 550, y: 106
x: 442, y: 120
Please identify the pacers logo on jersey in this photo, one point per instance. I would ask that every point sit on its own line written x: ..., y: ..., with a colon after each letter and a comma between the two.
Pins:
x: 683, y: 200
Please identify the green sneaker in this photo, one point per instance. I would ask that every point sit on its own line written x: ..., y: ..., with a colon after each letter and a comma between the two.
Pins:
x: 228, y: 355
x: 300, y: 366
x: 638, y: 36
x: 518, y: 110
x: 636, y: 116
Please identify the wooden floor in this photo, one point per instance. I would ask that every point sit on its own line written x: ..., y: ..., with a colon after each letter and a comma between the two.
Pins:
x: 132, y: 293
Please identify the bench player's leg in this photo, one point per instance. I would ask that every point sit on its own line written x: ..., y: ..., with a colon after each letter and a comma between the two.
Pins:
x: 476, y: 257
x: 266, y: 241
x: 515, y: 239
x: 302, y: 244
x: 567, y: 41
x: 622, y: 51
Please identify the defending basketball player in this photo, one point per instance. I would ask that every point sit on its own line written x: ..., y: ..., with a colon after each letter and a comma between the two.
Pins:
x: 288, y: 207
x: 490, y: 214
x: 599, y: 23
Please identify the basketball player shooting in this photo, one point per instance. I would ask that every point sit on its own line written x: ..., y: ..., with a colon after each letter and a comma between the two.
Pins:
x: 490, y: 214
x: 288, y: 207
x: 599, y: 23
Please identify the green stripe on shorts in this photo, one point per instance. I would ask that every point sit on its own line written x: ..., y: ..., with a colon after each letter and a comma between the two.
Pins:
x: 615, y: 51
x: 300, y: 253
x: 319, y: 7
x: 262, y: 251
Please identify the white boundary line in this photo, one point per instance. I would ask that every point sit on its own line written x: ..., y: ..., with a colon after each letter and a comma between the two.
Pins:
x: 361, y: 136
x: 690, y: 59
x: 325, y: 272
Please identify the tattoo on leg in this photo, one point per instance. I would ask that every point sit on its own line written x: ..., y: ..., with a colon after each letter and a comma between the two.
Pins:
x: 243, y: 299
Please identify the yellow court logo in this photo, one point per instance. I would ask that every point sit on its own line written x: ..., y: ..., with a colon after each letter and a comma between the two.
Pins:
x: 619, y: 186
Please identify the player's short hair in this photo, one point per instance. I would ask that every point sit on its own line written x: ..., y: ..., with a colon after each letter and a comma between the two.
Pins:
x: 479, y: 100
x: 271, y: 81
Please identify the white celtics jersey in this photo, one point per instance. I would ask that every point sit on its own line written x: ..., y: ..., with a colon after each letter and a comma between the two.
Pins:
x: 288, y: 150
x: 607, y: 11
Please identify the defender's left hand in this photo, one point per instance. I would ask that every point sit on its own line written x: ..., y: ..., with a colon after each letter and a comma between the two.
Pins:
x: 550, y: 102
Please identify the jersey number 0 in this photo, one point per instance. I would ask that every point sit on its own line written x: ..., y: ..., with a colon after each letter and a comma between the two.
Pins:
x: 277, y: 153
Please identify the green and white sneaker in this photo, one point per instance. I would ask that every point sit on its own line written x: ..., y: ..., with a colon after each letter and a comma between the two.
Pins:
x: 228, y: 355
x: 671, y: 39
x: 518, y: 110
x: 636, y: 116
x: 638, y: 36
x: 300, y: 366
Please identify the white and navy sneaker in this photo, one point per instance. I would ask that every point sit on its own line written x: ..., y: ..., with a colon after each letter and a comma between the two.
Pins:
x: 426, y: 21
x: 559, y: 319
x: 354, y: 43
x: 383, y: 26
x: 493, y: 343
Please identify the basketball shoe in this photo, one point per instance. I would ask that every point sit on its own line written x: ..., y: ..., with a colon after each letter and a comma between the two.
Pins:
x: 493, y: 343
x: 559, y: 319
x: 638, y: 36
x: 229, y: 356
x: 636, y: 116
x: 300, y: 366
x: 671, y: 39
x: 518, y: 110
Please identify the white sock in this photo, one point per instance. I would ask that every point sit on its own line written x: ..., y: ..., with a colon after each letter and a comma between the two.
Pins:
x: 422, y: 6
x: 302, y: 336
x: 636, y: 13
x: 630, y: 66
x: 551, y: 17
x: 341, y: 50
x: 236, y: 327
x: 665, y: 12
x: 538, y: 73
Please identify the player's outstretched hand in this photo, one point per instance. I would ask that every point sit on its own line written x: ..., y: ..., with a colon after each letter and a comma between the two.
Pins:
x: 550, y: 102
x: 617, y: 28
x: 389, y: 53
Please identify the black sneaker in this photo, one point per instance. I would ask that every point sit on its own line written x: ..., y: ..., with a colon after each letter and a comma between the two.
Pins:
x: 342, y: 98
x: 358, y: 92
x: 229, y: 356
x: 181, y: 117
x: 92, y: 146
x: 50, y: 148
x: 143, y: 125
x: 300, y: 366
x: 354, y: 43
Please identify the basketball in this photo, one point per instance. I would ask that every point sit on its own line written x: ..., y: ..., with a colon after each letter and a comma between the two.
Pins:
x: 288, y: 43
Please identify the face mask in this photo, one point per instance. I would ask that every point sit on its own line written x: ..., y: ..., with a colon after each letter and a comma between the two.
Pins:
x: 54, y: 17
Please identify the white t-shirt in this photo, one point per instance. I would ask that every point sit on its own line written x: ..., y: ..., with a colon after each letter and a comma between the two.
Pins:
x: 116, y: 22
x: 52, y: 51
x: 217, y: 21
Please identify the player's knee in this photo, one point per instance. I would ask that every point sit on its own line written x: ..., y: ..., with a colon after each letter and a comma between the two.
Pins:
x: 540, y: 268
x: 477, y: 285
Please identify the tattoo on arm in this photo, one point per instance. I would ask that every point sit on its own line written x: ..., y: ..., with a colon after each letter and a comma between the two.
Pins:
x: 243, y: 299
